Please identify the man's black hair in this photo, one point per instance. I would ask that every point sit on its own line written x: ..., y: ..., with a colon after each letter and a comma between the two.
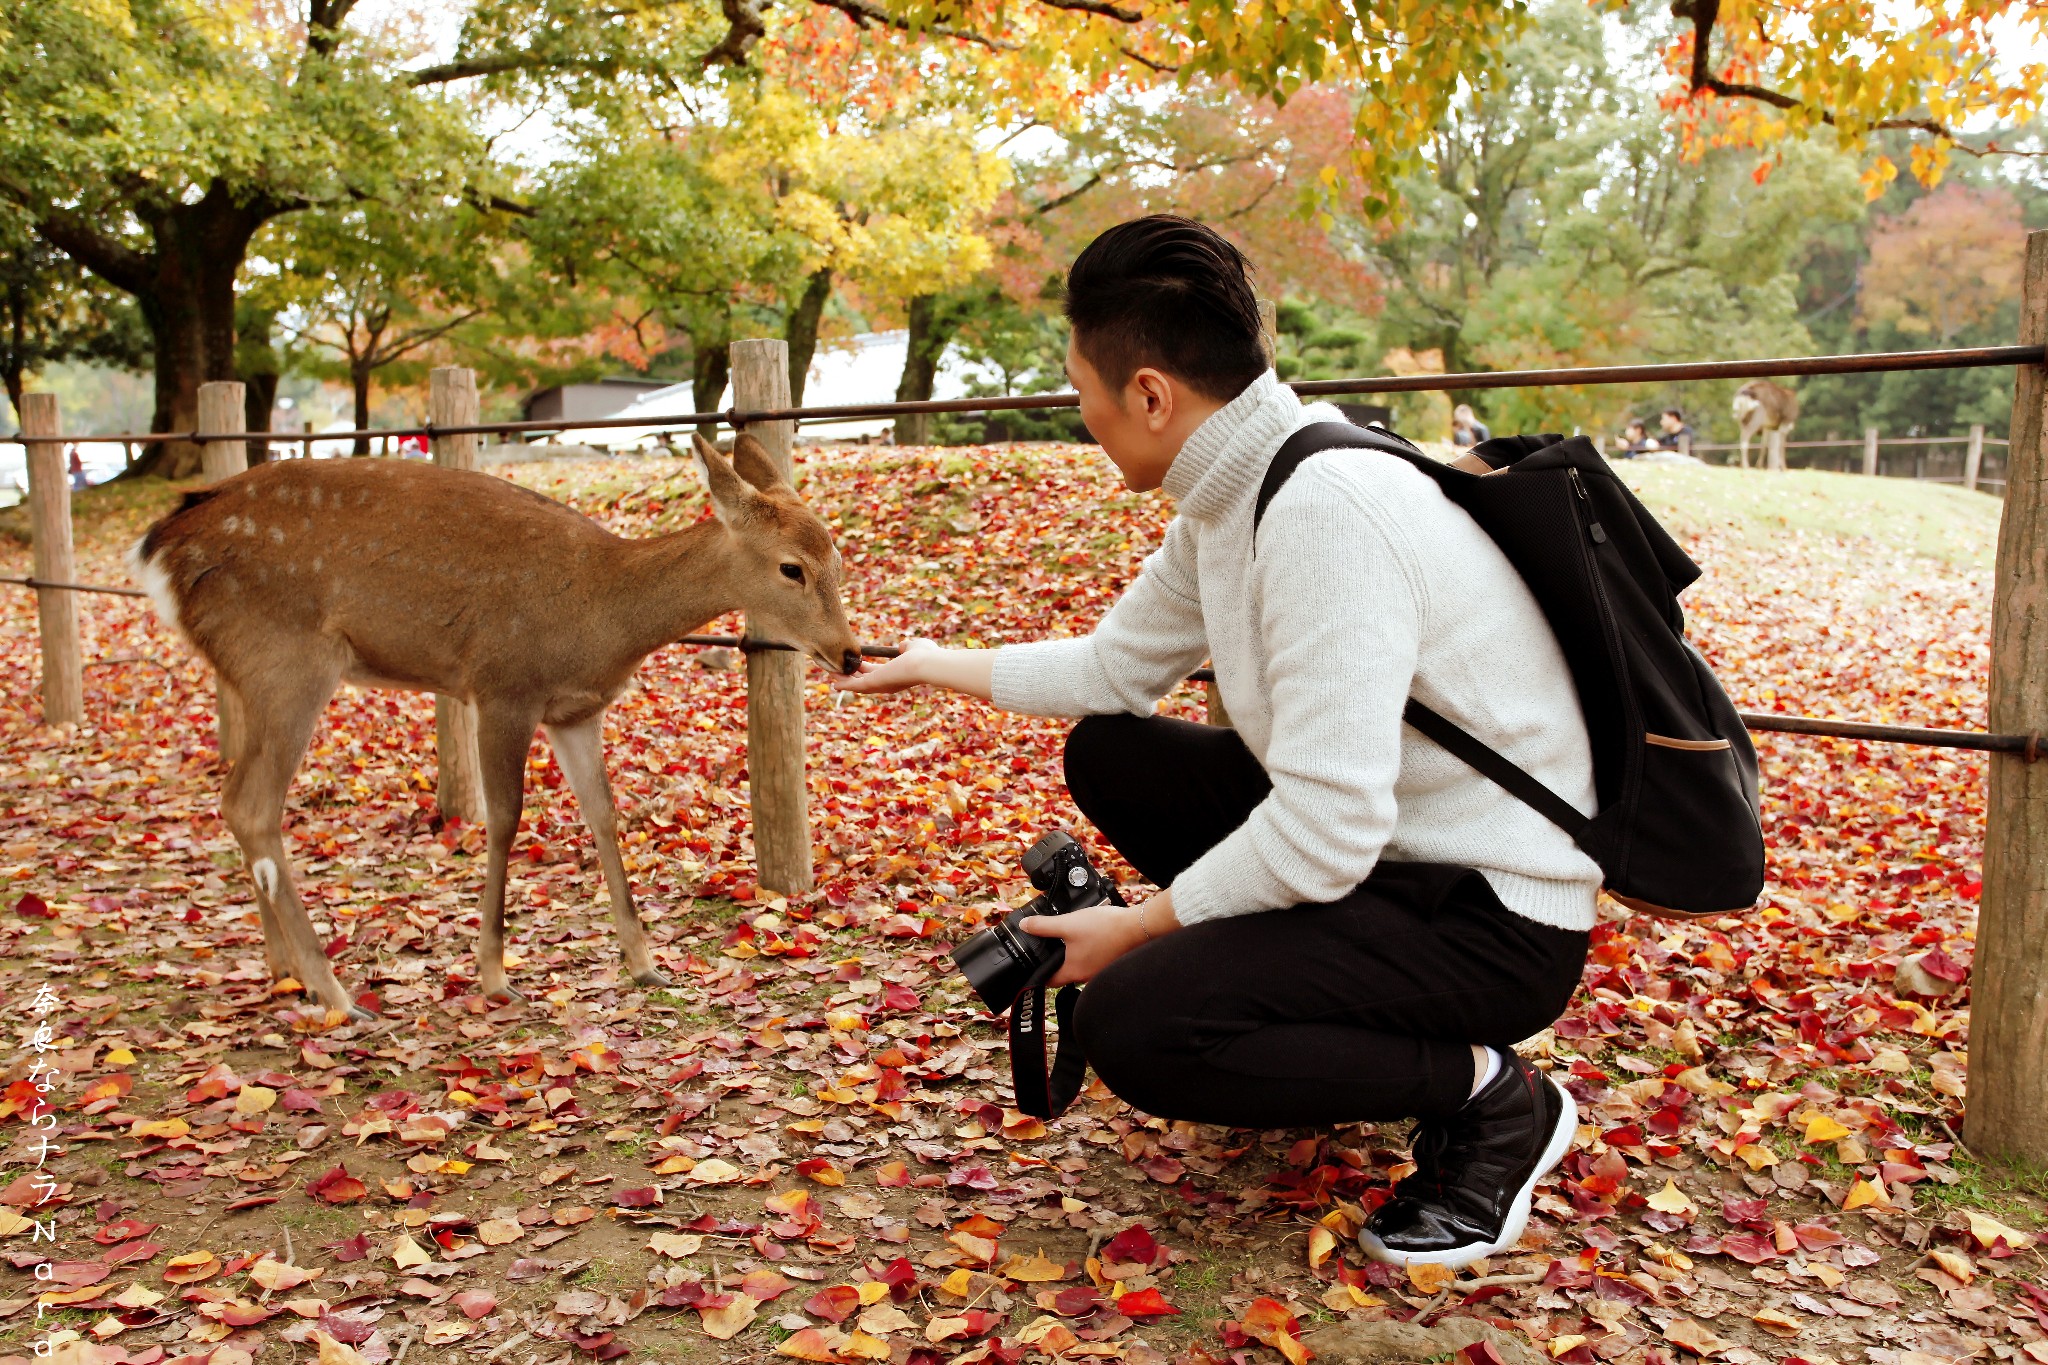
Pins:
x: 1166, y: 291
x: 1674, y: 412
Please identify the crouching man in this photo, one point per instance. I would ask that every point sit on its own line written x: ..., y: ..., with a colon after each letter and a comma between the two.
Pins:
x: 1355, y: 925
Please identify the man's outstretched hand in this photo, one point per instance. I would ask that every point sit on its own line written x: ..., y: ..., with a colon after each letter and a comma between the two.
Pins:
x: 923, y: 663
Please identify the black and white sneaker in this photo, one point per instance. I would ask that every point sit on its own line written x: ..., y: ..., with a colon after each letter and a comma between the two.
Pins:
x: 1476, y: 1172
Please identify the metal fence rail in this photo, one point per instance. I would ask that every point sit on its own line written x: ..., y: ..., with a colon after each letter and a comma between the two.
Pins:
x: 1873, y: 362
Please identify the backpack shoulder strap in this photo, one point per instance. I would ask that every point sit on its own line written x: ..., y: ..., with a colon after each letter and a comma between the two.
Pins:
x: 1480, y: 756
x: 1313, y: 440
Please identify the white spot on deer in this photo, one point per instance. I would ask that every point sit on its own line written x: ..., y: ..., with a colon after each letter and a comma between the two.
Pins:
x: 277, y: 535
x: 248, y: 526
x: 231, y: 523
x: 157, y: 584
x: 316, y: 564
x: 316, y: 497
x: 265, y: 872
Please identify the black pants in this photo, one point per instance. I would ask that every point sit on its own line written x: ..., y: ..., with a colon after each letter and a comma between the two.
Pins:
x: 1362, y: 1009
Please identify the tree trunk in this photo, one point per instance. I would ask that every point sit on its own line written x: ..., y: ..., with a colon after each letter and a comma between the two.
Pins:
x: 802, y: 331
x: 185, y: 289
x: 929, y: 336
x: 359, y: 384
x: 14, y: 389
x: 259, y: 402
x: 710, y: 368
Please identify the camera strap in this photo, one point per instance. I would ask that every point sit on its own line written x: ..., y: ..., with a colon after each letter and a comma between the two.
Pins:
x: 1040, y: 1095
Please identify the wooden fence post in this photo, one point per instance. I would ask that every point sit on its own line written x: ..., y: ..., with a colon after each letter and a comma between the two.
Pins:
x: 2008, y: 1099
x: 222, y: 411
x: 49, y: 528
x: 1774, y: 449
x: 1973, y: 459
x: 778, y: 792
x: 458, y: 771
x: 1870, y: 452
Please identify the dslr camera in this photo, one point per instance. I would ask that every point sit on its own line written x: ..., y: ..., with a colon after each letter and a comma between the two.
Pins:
x: 1000, y: 961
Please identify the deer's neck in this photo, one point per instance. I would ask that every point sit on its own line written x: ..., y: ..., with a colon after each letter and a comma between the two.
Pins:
x: 676, y: 583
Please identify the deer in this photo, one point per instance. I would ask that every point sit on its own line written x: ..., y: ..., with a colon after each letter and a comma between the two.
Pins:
x: 1761, y: 407
x: 300, y: 575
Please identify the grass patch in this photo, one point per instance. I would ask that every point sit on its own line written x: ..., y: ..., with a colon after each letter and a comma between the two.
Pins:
x: 1896, y: 516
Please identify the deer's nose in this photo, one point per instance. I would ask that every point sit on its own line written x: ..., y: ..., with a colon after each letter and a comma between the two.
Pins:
x: 849, y: 662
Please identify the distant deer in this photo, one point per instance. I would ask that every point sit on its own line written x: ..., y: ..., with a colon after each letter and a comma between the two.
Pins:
x: 301, y: 574
x: 1761, y: 407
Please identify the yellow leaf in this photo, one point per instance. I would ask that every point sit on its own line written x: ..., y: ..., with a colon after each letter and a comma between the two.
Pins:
x: 1863, y: 1192
x: 861, y: 1346
x: 723, y: 1324
x: 1820, y: 1128
x: 1431, y: 1279
x: 1321, y: 1243
x: 714, y: 1172
x: 1564, y: 1345
x: 333, y: 1352
x: 1756, y: 1156
x: 406, y: 1253
x: 874, y: 1291
x: 159, y: 1128
x: 1671, y: 1200
x: 1955, y: 1264
x: 1035, y: 1269
x: 254, y: 1099
x: 276, y: 1275
x: 675, y: 1244
x: 1988, y: 1230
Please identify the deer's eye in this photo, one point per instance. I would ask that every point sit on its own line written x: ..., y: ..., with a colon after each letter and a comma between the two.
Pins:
x: 793, y: 572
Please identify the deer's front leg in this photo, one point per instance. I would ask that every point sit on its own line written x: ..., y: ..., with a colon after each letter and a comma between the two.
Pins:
x: 579, y: 748
x: 503, y: 738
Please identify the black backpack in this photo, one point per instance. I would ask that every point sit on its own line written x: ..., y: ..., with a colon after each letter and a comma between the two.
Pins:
x: 1677, y: 831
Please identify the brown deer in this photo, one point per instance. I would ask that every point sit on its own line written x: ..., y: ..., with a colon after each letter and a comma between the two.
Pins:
x: 300, y: 575
x: 1761, y: 407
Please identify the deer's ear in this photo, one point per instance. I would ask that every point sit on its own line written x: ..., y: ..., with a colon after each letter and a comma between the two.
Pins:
x: 729, y: 492
x: 755, y: 464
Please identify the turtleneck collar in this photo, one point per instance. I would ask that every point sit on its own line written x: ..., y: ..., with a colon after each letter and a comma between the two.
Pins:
x: 1226, y: 455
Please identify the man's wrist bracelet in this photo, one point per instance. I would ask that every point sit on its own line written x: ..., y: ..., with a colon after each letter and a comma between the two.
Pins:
x: 1144, y: 906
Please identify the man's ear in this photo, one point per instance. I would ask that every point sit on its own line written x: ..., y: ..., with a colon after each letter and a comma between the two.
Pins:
x: 730, y: 496
x: 754, y: 464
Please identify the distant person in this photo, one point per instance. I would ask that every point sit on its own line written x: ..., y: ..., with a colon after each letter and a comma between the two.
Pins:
x: 1675, y: 434
x: 1635, y: 440
x: 78, y: 479
x: 1466, y: 428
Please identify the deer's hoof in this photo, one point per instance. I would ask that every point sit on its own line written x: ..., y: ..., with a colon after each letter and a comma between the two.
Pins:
x: 652, y: 979
x: 505, y: 995
x: 358, y: 1015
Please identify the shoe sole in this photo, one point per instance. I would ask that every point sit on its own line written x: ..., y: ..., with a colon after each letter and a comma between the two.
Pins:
x: 1457, y: 1258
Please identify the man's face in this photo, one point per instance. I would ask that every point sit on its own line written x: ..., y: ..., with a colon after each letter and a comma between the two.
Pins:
x: 1135, y: 426
x: 1669, y: 422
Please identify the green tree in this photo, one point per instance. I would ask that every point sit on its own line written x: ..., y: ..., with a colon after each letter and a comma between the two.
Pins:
x: 51, y: 311
x: 364, y: 286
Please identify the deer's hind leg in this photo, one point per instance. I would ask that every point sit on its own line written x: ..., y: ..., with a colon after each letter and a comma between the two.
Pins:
x: 274, y: 738
x: 579, y: 748
x: 503, y: 735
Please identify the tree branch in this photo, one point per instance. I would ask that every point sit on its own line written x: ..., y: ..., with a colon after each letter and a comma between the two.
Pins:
x: 324, y: 19
x: 745, y: 27
x: 1070, y: 196
x: 865, y: 12
x: 115, y: 262
x: 1101, y: 7
x: 1163, y: 68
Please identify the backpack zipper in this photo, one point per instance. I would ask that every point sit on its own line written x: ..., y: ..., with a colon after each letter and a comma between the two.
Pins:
x: 1593, y: 527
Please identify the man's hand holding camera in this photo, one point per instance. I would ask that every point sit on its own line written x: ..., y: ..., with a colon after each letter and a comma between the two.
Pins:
x: 1100, y: 934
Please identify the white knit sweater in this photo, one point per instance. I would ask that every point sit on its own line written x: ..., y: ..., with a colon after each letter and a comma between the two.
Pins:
x: 1369, y: 586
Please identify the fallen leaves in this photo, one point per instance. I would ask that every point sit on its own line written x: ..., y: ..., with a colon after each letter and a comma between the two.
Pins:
x: 813, y: 1115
